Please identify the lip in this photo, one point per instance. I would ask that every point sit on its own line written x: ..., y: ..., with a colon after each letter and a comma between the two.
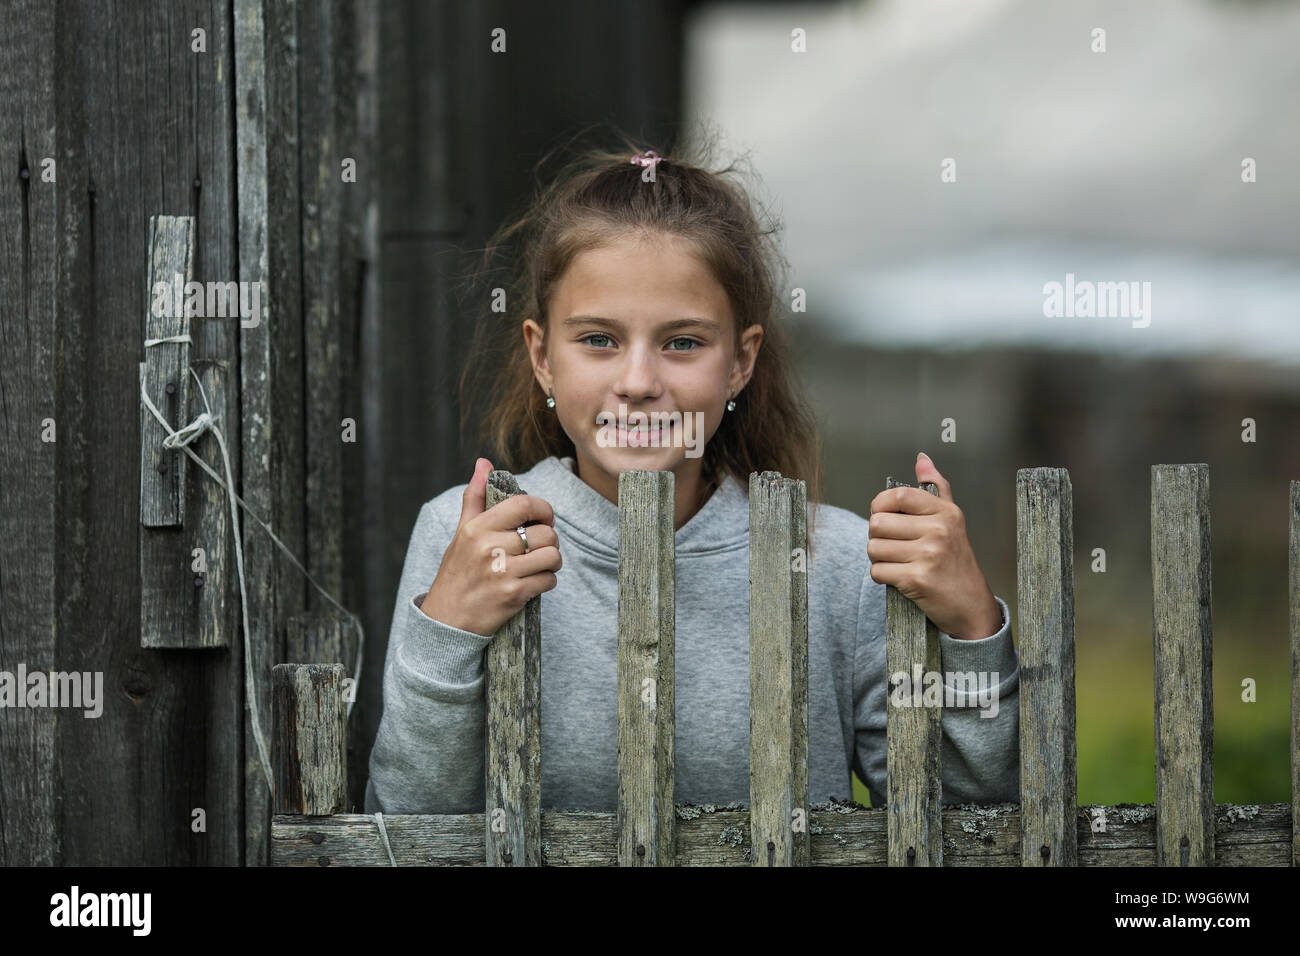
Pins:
x: 645, y: 434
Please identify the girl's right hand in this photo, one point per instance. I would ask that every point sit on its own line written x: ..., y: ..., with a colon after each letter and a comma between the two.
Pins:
x: 485, y: 578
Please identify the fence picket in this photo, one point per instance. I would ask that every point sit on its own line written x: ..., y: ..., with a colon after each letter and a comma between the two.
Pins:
x: 915, y: 734
x: 1184, y: 705
x: 309, y: 749
x: 1045, y: 639
x: 1294, y: 562
x: 778, y: 670
x: 647, y: 822
x: 512, y: 764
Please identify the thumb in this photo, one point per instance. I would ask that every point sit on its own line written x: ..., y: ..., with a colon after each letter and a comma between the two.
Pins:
x: 925, y: 471
x: 474, y: 502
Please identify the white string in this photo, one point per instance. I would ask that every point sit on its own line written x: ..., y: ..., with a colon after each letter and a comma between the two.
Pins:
x: 383, y: 835
x: 183, y: 337
x: 181, y: 439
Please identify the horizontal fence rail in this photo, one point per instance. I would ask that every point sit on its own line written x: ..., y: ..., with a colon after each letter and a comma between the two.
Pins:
x: 842, y: 835
x: 779, y: 827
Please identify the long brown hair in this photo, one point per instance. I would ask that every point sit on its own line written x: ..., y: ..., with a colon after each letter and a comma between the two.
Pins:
x: 596, y: 196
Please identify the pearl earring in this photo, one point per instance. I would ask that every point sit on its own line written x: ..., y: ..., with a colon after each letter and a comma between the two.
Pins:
x: 550, y: 401
x: 731, y: 404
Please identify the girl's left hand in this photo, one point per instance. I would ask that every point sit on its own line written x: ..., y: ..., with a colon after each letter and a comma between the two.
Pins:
x: 917, y: 542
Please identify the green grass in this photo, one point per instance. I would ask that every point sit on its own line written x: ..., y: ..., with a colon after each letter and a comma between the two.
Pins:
x: 1116, y: 724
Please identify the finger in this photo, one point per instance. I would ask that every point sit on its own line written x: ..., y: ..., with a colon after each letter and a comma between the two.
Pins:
x: 519, y: 509
x: 905, y: 500
x: 539, y: 536
x: 536, y: 561
x: 474, y: 501
x: 926, y: 471
x: 890, y: 551
x: 535, y: 584
x: 885, y: 524
x: 888, y: 572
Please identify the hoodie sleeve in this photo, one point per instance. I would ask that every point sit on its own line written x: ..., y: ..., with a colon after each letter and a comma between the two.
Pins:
x: 428, y: 753
x: 980, y: 755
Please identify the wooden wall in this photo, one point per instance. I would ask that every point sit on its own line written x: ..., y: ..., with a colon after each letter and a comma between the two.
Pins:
x: 141, y: 123
x: 136, y: 126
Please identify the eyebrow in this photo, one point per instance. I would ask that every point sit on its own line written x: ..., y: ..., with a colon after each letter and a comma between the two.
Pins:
x: 672, y: 325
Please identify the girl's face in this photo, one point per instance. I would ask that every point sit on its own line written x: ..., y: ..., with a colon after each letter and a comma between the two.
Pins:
x: 642, y: 324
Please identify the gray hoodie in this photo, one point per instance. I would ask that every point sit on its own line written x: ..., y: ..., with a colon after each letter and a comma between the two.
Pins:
x: 428, y: 755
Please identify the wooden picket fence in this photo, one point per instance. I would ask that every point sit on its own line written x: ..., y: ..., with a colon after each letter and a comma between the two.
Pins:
x: 1047, y: 828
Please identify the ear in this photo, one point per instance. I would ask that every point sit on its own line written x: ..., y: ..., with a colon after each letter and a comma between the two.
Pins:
x: 534, y: 339
x: 751, y: 340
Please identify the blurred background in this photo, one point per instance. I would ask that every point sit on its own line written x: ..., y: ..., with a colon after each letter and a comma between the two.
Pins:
x: 925, y: 298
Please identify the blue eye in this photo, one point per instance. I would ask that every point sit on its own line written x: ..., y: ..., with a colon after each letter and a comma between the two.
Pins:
x: 692, y: 343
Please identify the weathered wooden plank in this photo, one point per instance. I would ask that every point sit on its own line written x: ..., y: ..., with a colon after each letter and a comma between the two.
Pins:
x: 840, y: 835
x: 1045, y: 597
x: 647, y: 554
x: 327, y: 438
x: 512, y: 765
x: 310, y: 749
x: 204, y: 83
x: 162, y: 476
x: 778, y: 669
x: 353, y: 39
x: 211, y: 576
x: 32, y: 312
x: 373, y: 588
x: 271, y: 364
x: 331, y: 210
x: 183, y: 579
x: 167, y: 592
x: 1184, y: 704
x: 1294, y: 565
x: 915, y: 733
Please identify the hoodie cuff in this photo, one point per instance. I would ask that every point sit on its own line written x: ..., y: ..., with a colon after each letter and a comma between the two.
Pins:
x: 441, y: 652
x: 995, y: 653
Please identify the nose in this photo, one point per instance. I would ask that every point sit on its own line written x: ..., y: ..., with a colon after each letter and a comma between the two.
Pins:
x: 638, y: 377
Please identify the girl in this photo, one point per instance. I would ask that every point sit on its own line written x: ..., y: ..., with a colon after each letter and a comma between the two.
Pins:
x: 645, y: 284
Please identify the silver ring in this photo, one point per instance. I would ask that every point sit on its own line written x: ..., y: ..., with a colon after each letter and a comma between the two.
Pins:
x: 520, y: 531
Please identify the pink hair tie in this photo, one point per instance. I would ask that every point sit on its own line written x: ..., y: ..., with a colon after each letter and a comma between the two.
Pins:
x: 649, y: 159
